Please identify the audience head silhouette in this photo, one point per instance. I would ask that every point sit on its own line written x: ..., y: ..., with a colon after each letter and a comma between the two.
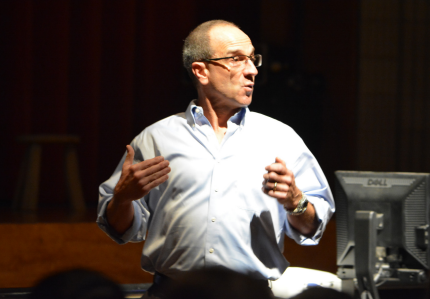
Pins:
x: 321, y: 293
x: 216, y: 284
x: 78, y: 283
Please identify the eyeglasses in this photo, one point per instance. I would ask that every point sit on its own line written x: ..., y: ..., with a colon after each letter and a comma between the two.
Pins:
x: 240, y: 60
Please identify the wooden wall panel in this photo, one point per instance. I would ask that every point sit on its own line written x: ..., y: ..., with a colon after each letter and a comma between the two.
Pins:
x: 320, y: 257
x: 30, y: 252
x: 33, y: 251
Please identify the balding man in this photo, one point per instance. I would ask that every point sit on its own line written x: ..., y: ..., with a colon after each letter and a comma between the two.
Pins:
x: 217, y: 186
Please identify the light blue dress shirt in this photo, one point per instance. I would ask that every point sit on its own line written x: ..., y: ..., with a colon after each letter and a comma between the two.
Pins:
x: 211, y: 212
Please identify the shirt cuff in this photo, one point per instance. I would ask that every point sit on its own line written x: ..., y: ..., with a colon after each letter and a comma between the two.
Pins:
x: 322, y: 213
x: 133, y: 234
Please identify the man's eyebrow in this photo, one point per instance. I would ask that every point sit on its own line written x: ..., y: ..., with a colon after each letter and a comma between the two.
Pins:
x: 238, y: 51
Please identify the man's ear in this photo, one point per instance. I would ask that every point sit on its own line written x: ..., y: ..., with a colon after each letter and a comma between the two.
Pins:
x: 200, y: 71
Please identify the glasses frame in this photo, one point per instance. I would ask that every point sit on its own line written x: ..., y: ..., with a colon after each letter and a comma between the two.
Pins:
x: 250, y: 57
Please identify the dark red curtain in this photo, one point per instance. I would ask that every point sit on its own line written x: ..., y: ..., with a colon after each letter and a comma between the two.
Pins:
x: 102, y: 70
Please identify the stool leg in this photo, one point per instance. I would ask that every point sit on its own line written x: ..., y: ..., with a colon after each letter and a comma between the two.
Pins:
x: 19, y: 189
x: 72, y: 180
x: 30, y: 191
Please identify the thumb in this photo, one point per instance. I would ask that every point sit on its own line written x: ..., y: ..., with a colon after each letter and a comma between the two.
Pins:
x: 129, y: 158
x: 279, y: 160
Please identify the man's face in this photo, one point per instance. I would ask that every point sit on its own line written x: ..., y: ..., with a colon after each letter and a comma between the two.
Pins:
x: 230, y: 84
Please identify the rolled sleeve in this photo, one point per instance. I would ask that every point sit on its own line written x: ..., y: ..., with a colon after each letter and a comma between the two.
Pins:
x: 135, y: 233
x: 310, y: 179
x: 323, y: 212
x: 137, y: 230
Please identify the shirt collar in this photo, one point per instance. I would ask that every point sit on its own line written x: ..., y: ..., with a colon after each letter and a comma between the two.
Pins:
x: 195, y: 115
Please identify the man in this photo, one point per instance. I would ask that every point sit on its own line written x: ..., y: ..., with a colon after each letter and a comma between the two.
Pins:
x: 191, y: 183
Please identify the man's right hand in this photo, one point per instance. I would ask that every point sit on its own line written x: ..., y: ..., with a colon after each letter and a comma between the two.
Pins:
x: 135, y: 182
x: 138, y: 179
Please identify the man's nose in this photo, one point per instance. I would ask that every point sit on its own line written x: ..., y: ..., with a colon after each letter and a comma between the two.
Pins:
x: 250, y: 68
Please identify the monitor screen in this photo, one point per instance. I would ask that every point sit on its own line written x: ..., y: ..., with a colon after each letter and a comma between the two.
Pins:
x: 400, y: 202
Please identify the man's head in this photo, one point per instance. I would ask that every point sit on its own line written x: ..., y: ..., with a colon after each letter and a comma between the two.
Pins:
x: 218, y: 56
x: 197, y: 46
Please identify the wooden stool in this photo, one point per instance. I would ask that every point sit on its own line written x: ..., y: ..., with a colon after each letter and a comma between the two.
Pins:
x: 26, y: 195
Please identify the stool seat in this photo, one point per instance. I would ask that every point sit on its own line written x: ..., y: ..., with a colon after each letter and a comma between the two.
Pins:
x: 26, y: 194
x: 48, y: 139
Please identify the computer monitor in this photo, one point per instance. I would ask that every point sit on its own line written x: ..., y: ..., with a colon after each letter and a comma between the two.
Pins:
x: 382, y: 228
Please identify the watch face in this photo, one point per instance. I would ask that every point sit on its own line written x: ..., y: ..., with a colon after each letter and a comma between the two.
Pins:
x: 301, y: 207
x: 305, y: 203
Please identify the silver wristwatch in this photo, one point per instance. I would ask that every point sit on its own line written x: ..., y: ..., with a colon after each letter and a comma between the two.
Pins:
x: 301, y: 207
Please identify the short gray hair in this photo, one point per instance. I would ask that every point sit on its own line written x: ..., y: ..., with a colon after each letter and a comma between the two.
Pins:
x: 197, y: 45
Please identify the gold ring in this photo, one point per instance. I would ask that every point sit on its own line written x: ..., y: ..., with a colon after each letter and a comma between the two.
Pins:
x: 274, y: 188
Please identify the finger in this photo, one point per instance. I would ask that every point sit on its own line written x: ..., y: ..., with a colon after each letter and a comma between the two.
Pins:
x: 280, y: 188
x: 129, y: 158
x: 275, y: 177
x: 155, y: 183
x: 152, y: 169
x: 276, y: 194
x: 149, y: 163
x: 153, y: 176
x: 287, y: 170
x: 154, y: 180
x: 277, y: 167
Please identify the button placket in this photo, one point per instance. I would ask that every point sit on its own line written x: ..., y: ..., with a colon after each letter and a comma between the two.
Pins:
x: 212, y: 213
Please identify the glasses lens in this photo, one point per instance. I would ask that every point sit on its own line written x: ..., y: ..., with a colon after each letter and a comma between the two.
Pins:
x: 240, y: 60
x: 258, y: 60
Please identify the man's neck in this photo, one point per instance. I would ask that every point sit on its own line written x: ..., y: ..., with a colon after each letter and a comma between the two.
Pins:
x: 217, y: 115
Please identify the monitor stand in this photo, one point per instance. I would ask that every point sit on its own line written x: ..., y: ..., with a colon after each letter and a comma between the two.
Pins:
x: 365, y: 228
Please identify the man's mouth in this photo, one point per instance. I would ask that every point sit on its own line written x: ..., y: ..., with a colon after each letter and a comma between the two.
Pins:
x: 249, y: 87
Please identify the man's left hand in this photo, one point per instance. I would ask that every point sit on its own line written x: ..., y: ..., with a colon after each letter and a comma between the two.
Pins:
x: 288, y: 195
x: 279, y: 183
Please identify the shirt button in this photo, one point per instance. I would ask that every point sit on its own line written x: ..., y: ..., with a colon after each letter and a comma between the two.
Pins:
x: 213, y: 219
x: 197, y: 110
x: 216, y: 190
x: 211, y: 250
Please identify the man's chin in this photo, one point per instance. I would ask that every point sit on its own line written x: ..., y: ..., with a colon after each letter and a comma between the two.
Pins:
x: 240, y: 102
x: 246, y: 101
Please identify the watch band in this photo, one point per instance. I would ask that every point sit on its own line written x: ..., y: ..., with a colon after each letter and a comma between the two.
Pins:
x: 301, y: 207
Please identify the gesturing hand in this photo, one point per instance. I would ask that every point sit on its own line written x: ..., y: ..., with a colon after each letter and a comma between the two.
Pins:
x: 138, y: 179
x: 286, y: 191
